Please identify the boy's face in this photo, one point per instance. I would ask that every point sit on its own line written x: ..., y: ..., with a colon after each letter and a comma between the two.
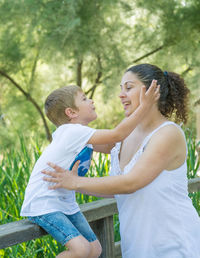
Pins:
x: 86, y: 109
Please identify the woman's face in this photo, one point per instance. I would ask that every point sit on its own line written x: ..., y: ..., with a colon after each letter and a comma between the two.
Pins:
x: 130, y: 92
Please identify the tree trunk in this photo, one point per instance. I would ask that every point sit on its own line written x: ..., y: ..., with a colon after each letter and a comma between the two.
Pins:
x: 97, y: 80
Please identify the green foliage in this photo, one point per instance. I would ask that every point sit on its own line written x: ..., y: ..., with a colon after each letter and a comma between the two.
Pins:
x: 193, y: 162
x: 43, y: 43
x: 193, y: 155
x: 176, y: 26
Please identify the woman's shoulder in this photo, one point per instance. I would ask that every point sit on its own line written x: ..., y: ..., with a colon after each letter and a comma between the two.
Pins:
x: 170, y: 130
x: 170, y: 135
x: 168, y: 144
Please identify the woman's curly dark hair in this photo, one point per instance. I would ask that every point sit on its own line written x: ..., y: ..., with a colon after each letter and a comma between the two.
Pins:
x: 173, y: 91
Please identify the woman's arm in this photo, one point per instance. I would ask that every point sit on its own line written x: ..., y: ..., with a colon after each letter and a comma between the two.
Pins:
x: 97, y: 195
x: 166, y: 150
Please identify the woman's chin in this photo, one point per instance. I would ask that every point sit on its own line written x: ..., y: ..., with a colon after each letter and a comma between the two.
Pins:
x: 127, y: 113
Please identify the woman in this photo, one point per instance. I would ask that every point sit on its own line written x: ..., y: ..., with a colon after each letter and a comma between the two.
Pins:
x: 149, y: 173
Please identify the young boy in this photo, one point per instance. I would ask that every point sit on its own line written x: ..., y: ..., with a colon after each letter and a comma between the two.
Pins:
x: 56, y: 210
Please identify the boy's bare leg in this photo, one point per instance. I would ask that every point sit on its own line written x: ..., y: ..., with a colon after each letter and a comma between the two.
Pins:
x: 78, y: 247
x: 95, y: 249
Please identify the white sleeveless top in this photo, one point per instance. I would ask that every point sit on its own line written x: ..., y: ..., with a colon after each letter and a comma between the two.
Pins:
x: 158, y: 220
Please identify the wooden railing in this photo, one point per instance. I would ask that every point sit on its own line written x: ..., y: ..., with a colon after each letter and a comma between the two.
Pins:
x: 99, y: 214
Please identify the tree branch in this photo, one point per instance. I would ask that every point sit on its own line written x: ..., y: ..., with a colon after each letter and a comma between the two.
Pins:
x: 196, y: 103
x: 186, y: 71
x: 148, y: 54
x: 29, y: 98
x: 79, y: 73
x: 33, y: 70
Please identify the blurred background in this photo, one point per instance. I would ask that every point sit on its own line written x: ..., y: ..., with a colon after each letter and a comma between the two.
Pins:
x: 49, y: 44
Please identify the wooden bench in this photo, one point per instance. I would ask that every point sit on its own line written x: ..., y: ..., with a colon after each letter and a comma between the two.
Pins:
x: 99, y: 214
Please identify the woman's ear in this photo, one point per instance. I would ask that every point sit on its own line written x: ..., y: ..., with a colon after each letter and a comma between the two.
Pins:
x: 71, y: 113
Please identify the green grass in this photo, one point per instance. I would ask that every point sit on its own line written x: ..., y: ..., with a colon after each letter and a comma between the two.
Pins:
x: 15, y: 168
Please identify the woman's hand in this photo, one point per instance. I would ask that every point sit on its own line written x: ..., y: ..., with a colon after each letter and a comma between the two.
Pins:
x: 62, y: 178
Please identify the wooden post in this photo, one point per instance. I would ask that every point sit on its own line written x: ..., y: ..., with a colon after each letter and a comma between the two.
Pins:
x: 103, y: 228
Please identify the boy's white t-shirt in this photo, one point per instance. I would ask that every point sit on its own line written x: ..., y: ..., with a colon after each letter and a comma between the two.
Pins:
x: 68, y: 141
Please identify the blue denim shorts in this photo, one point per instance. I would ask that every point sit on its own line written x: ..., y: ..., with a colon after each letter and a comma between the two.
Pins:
x: 64, y: 227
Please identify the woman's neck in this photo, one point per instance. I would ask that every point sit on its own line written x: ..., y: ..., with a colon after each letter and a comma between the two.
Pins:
x: 152, y: 120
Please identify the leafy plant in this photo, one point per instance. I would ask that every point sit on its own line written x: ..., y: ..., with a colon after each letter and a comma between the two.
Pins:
x: 193, y: 160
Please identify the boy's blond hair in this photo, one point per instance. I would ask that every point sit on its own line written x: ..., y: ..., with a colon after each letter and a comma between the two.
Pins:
x: 58, y: 101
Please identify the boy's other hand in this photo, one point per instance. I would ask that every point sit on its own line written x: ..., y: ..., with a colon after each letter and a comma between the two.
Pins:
x: 150, y: 96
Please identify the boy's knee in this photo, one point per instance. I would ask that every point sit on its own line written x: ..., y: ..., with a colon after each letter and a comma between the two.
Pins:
x: 96, y: 249
x: 83, y: 252
x: 82, y: 249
